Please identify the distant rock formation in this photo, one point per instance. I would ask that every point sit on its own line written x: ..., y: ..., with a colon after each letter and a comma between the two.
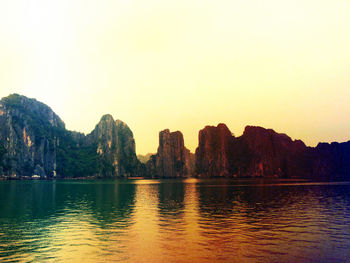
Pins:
x: 115, y: 147
x: 34, y: 142
x: 144, y: 158
x: 29, y: 137
x: 172, y: 158
x: 213, y: 155
x: 190, y: 162
x: 261, y: 152
x: 330, y: 161
x: 272, y: 154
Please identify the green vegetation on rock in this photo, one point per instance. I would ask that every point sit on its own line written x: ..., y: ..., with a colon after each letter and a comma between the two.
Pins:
x: 34, y: 141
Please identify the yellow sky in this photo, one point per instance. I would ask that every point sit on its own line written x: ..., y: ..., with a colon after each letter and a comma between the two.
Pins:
x: 183, y: 64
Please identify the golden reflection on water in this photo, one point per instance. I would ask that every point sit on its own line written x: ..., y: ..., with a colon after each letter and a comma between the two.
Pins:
x: 71, y: 238
x: 173, y: 221
x: 145, y: 228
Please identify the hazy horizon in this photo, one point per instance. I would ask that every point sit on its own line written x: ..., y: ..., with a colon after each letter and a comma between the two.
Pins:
x: 183, y: 65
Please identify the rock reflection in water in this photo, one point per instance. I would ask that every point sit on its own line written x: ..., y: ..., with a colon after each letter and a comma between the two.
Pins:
x: 174, y: 220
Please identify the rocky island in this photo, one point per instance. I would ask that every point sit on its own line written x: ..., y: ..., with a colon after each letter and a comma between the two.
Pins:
x: 173, y: 159
x: 34, y: 143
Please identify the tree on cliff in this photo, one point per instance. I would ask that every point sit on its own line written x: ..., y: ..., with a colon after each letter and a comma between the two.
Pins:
x: 2, y: 158
x: 2, y: 153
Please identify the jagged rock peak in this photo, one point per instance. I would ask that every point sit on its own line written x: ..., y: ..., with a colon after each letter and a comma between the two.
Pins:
x: 120, y: 123
x: 30, y: 133
x: 116, y: 148
x: 213, y: 151
x: 172, y: 138
x: 172, y: 158
x: 252, y: 132
x: 260, y: 130
x: 16, y: 104
x: 221, y: 126
x: 107, y: 118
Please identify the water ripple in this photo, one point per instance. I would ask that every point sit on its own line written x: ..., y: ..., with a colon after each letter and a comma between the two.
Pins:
x: 174, y: 221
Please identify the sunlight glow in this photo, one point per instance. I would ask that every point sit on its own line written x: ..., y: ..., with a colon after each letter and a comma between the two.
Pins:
x: 183, y: 64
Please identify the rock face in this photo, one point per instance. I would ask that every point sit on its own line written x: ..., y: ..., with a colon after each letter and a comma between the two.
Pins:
x: 272, y: 154
x: 213, y: 155
x: 34, y: 141
x: 172, y: 158
x: 29, y: 135
x: 144, y: 158
x: 261, y: 152
x: 330, y: 161
x: 115, y: 147
x: 258, y: 152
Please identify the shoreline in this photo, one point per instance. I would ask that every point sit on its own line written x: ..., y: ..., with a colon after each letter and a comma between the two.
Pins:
x: 266, y: 179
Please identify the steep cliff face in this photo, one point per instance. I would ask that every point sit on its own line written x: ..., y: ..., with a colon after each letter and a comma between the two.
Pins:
x: 34, y: 141
x: 172, y: 158
x: 272, y: 154
x: 213, y: 155
x: 330, y: 161
x: 258, y: 152
x: 115, y: 147
x: 29, y: 133
x: 261, y: 152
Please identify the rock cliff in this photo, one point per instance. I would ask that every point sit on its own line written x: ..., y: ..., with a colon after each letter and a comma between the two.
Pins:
x: 115, y: 147
x: 34, y: 141
x: 261, y: 152
x: 172, y: 158
x: 272, y: 154
x: 330, y: 161
x: 29, y: 135
x: 213, y: 155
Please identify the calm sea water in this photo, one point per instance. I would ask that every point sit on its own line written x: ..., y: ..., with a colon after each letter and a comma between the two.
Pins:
x: 188, y: 220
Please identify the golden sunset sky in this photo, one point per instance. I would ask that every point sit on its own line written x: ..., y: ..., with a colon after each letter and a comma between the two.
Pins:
x: 183, y: 64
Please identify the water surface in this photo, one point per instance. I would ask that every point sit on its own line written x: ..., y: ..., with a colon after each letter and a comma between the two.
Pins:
x: 189, y: 220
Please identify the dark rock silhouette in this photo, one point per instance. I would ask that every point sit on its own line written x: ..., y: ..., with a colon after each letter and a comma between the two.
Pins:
x: 213, y: 155
x: 35, y: 142
x: 272, y: 154
x: 261, y: 152
x: 172, y: 158
x: 330, y: 161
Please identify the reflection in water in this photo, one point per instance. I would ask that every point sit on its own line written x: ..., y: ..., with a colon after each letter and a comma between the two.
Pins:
x: 145, y: 231
x: 173, y: 220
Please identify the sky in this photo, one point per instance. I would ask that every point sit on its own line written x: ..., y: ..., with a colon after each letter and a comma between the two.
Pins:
x: 183, y: 64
